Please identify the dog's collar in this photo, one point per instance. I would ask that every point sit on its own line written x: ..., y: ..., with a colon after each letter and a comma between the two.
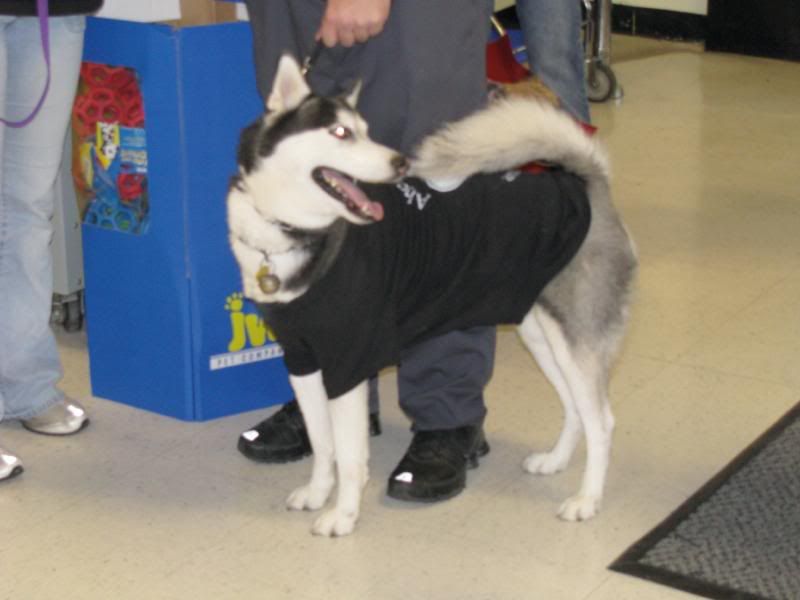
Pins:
x: 327, y: 242
x: 266, y: 278
x: 268, y: 281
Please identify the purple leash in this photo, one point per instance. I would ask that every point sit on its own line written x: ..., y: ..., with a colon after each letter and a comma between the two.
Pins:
x: 44, y: 31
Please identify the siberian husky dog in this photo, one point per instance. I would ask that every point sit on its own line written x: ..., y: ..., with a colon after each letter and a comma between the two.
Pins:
x: 303, y: 203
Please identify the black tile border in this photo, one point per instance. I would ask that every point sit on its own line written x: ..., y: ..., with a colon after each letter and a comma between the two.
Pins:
x: 665, y: 24
x: 648, y: 22
x: 770, y: 29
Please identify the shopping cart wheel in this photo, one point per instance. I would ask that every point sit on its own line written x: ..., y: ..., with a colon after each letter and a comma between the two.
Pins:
x: 73, y: 320
x: 600, y: 82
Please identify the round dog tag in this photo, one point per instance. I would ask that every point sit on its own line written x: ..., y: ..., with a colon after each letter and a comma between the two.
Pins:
x: 268, y: 282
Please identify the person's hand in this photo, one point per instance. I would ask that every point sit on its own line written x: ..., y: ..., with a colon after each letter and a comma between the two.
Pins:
x: 347, y: 22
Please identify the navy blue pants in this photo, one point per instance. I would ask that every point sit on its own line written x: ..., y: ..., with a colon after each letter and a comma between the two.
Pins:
x: 426, y: 67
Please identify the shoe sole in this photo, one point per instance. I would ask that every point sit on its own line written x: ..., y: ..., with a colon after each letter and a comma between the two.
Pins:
x: 287, y: 456
x: 276, y: 457
x: 83, y: 426
x: 472, y: 459
x: 404, y: 494
x: 14, y: 472
x: 430, y: 494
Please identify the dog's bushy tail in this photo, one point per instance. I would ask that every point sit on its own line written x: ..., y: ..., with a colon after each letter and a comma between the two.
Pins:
x: 510, y: 133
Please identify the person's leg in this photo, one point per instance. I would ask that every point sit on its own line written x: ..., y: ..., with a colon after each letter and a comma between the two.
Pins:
x: 441, y: 381
x: 5, y: 22
x: 552, y: 33
x: 31, y: 156
x: 428, y: 67
x: 441, y: 385
x: 288, y: 26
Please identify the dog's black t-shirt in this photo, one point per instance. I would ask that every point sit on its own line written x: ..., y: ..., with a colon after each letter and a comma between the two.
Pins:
x: 437, y: 262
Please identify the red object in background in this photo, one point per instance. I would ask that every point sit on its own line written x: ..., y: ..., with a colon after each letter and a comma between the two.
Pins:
x: 107, y: 77
x: 501, y: 66
x: 130, y: 186
x: 110, y: 94
x: 96, y: 105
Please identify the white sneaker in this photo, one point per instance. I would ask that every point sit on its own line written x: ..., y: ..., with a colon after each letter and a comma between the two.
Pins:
x: 10, y: 465
x: 64, y: 418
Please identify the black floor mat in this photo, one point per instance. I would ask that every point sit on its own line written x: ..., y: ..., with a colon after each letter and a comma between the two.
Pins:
x: 739, y: 535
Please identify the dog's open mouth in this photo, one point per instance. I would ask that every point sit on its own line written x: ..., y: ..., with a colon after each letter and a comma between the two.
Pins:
x: 344, y: 189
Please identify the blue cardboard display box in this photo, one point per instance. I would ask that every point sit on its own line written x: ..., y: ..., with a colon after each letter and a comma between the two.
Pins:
x: 167, y: 327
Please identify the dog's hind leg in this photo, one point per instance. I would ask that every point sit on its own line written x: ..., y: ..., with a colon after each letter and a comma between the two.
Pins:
x: 584, y: 381
x: 349, y: 416
x: 313, y: 401
x: 557, y: 459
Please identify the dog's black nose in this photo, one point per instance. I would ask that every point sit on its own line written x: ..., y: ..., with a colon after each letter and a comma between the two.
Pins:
x: 400, y: 164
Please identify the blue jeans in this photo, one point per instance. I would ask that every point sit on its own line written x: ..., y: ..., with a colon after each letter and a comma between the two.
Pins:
x: 552, y: 33
x: 30, y: 157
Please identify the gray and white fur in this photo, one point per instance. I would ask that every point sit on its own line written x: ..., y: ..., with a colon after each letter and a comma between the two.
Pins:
x: 573, y: 329
x: 576, y: 324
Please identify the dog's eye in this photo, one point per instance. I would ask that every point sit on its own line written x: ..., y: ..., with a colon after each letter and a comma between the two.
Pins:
x: 341, y: 132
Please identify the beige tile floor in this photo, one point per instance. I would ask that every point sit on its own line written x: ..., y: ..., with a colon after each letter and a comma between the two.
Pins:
x: 706, y: 156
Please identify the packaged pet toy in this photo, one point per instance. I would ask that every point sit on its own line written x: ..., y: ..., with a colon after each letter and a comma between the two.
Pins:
x: 110, y: 150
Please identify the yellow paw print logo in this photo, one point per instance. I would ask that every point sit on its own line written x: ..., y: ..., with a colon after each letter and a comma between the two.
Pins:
x: 245, y: 327
x: 234, y: 302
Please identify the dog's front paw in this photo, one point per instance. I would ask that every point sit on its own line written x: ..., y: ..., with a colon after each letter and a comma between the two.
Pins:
x: 307, y: 497
x: 335, y: 523
x: 579, y: 508
x: 545, y: 463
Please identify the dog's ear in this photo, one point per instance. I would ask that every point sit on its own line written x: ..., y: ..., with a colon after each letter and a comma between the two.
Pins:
x: 289, y: 87
x: 352, y: 97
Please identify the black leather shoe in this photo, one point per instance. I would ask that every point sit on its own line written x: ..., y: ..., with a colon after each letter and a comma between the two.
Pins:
x: 435, y: 465
x: 283, y: 438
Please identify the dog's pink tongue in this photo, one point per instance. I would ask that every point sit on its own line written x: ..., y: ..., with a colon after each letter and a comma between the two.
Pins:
x: 373, y: 209
x: 365, y: 205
